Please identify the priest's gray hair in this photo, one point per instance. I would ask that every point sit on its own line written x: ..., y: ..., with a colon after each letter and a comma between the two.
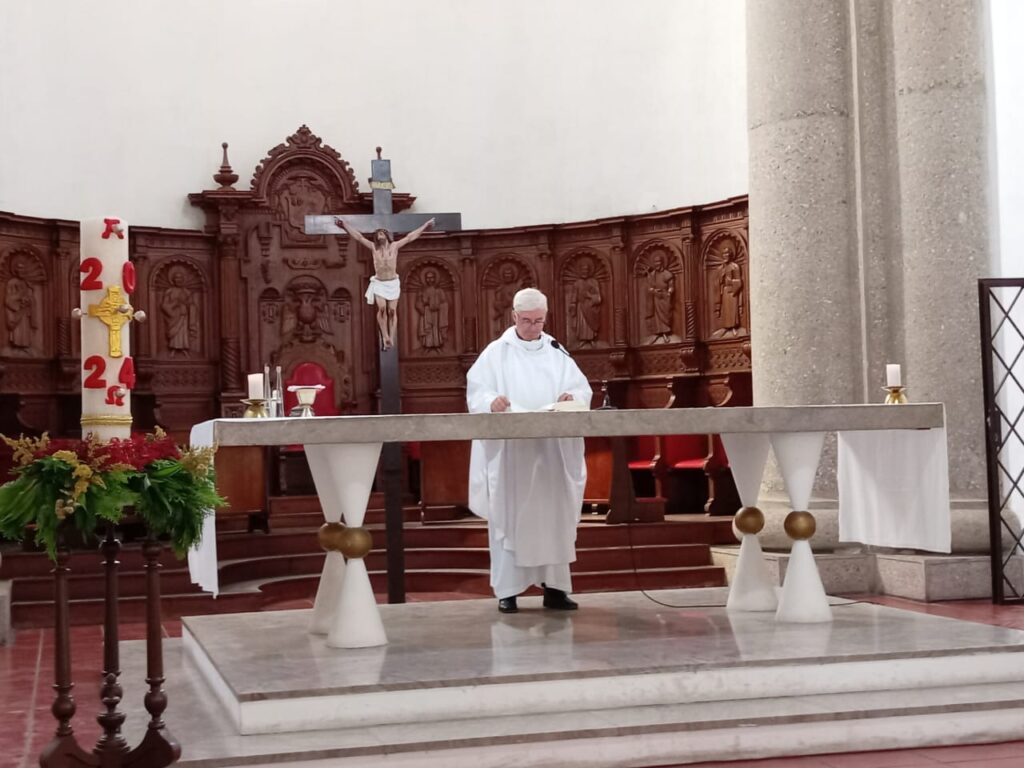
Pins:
x: 529, y: 299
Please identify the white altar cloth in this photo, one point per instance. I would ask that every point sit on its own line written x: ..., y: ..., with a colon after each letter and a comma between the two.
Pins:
x: 202, y: 558
x: 894, y: 489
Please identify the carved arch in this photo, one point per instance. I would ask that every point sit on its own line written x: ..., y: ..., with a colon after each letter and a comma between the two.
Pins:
x: 306, y: 149
x: 724, y: 284
x: 430, y: 325
x: 502, y: 276
x: 585, y: 280
x: 657, y: 289
x: 180, y: 303
x: 23, y: 275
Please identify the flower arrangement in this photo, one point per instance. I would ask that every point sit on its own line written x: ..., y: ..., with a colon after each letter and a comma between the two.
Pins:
x: 87, y: 481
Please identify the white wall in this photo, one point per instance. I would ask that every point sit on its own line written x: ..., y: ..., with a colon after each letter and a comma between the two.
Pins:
x: 1008, y: 75
x: 519, y: 112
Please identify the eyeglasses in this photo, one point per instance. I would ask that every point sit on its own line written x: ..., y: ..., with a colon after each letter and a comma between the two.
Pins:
x: 528, y: 321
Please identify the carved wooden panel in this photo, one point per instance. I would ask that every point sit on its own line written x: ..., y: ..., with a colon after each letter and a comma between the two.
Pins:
x: 657, y: 282
x: 637, y: 300
x: 23, y: 277
x: 725, y: 280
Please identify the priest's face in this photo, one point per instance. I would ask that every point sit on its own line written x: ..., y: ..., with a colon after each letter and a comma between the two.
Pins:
x: 529, y: 323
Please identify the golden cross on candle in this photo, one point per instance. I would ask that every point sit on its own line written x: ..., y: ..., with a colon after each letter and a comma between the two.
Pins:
x: 113, y: 312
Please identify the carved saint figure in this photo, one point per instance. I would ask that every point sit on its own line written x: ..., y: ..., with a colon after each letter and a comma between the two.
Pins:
x: 180, y: 313
x: 585, y: 305
x: 503, y: 293
x: 730, y: 293
x: 384, y: 288
x: 432, y: 306
x: 660, y: 287
x: 20, y: 308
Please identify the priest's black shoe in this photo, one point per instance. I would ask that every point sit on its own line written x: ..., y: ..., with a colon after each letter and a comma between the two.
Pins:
x: 557, y: 600
x: 508, y: 605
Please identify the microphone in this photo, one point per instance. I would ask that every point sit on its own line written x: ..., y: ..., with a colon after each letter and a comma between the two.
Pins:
x: 559, y: 347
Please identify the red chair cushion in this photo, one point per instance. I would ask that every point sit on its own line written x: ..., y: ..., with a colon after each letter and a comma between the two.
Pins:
x: 643, y: 449
x: 685, y: 451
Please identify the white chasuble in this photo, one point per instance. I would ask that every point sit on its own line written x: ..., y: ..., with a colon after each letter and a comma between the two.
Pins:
x: 529, y: 491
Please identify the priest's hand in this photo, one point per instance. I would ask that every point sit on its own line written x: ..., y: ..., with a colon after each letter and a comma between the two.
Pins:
x: 565, y: 396
x: 500, y: 404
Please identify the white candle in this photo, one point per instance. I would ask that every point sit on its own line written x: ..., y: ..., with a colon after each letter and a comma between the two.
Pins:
x: 892, y: 375
x: 106, y: 281
x: 255, y: 386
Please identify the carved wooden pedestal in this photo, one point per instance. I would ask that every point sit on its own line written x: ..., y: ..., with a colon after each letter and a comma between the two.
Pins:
x: 158, y: 747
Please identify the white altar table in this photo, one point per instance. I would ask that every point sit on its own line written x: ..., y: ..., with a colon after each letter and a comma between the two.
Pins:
x: 343, y: 453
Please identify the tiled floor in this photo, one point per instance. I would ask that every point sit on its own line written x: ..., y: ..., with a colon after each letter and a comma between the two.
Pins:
x: 26, y: 674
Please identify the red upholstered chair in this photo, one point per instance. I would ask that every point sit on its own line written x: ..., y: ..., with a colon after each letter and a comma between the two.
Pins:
x: 645, y: 466
x: 685, y: 451
x: 685, y: 458
x: 723, y: 498
x: 293, y: 476
x: 311, y: 374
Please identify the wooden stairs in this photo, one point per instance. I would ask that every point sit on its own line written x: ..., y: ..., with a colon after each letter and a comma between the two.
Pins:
x: 259, y: 570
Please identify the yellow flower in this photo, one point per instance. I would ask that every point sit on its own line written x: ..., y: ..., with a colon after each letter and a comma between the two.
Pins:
x: 198, y: 461
x: 25, y: 448
x: 68, y: 457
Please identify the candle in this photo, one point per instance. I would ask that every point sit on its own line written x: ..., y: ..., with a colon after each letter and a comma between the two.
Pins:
x: 892, y: 375
x: 106, y: 282
x: 255, y: 386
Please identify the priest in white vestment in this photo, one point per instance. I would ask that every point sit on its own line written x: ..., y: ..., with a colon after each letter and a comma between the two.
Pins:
x: 529, y: 491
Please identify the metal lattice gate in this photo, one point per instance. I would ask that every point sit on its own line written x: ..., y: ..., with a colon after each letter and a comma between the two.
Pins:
x: 1001, y: 302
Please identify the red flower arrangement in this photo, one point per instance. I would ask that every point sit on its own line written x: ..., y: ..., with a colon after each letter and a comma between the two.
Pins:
x: 172, y: 489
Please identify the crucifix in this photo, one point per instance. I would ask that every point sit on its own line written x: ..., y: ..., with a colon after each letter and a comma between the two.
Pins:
x: 383, y: 293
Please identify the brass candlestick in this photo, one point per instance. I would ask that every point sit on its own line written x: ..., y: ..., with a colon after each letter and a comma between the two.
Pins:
x: 895, y: 396
x: 255, y: 408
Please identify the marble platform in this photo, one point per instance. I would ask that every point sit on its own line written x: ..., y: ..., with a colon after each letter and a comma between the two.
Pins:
x: 623, y: 682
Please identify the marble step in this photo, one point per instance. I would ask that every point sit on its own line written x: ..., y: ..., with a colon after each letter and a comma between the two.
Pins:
x: 625, y: 681
x: 675, y: 734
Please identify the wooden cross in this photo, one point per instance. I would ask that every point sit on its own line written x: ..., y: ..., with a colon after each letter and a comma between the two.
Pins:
x: 384, y: 217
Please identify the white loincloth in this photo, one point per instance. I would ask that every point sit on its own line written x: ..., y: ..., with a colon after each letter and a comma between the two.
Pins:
x: 386, y: 289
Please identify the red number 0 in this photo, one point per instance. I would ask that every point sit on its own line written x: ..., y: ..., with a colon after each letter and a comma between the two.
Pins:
x: 96, y: 365
x: 94, y: 268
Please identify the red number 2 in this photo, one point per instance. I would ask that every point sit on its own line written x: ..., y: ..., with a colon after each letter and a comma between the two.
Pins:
x: 92, y: 268
x: 97, y: 366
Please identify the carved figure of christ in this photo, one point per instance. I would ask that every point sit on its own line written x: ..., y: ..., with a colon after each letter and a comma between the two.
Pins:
x: 384, y: 288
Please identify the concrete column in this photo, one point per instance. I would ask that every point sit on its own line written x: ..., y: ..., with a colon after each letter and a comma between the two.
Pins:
x: 803, y: 291
x: 941, y: 135
x: 869, y: 217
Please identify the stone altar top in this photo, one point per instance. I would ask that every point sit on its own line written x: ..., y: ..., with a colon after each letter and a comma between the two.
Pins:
x: 610, y: 423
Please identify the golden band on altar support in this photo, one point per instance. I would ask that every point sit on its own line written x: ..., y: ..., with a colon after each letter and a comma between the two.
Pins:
x: 101, y: 419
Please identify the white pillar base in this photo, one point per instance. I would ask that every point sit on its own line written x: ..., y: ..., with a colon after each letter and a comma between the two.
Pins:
x: 752, y: 588
x: 345, y: 608
x: 357, y: 623
x: 328, y: 594
x: 803, y: 598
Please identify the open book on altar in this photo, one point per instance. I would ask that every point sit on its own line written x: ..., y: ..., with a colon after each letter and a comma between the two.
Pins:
x: 564, y: 405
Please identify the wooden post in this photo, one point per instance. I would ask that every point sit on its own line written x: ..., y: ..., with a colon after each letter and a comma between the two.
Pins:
x: 112, y: 741
x: 158, y: 747
x: 63, y: 751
